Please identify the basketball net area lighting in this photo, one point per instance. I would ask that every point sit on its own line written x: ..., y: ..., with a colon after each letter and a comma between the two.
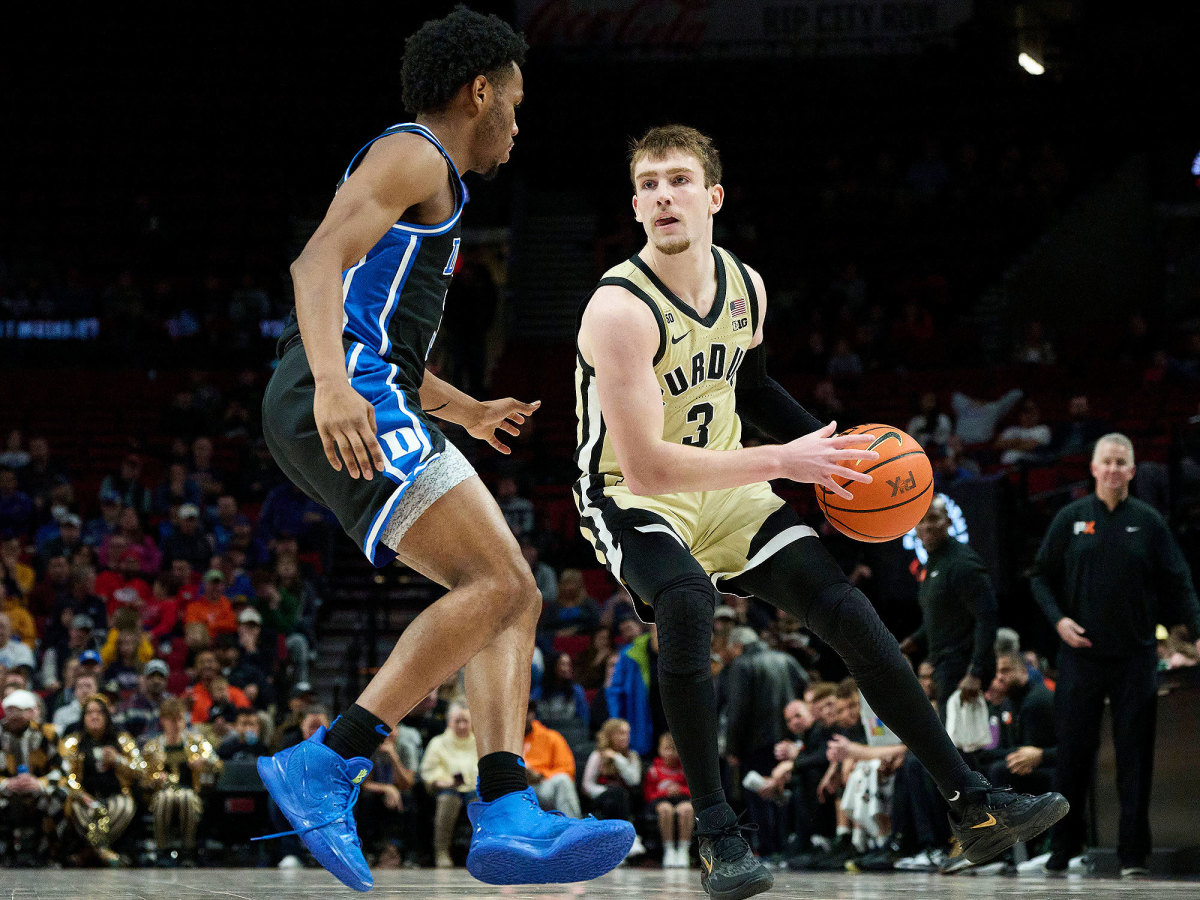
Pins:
x: 1030, y: 65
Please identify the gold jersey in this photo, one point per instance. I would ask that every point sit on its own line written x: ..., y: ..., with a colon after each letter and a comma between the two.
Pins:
x: 696, y: 365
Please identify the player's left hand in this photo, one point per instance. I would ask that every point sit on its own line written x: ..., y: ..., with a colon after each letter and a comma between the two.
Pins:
x: 969, y: 688
x: 503, y: 415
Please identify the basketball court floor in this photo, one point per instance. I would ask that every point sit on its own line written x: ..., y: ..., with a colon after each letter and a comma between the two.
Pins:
x: 627, y: 884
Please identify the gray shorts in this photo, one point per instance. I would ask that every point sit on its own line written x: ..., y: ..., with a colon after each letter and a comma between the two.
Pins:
x: 448, y: 470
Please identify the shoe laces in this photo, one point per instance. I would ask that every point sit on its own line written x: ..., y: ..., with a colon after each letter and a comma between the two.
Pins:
x: 346, y: 812
x: 729, y: 843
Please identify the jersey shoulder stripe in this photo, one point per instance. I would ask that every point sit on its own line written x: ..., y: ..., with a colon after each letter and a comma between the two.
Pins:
x: 649, y: 301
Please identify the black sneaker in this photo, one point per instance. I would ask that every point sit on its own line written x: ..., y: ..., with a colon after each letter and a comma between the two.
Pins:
x: 1058, y: 863
x: 729, y: 868
x: 1134, y: 868
x: 840, y: 854
x: 987, y: 822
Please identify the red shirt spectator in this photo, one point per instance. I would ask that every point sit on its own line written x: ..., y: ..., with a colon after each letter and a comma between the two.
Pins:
x: 124, y: 587
x: 665, y: 779
x: 212, y: 607
x: 161, y: 614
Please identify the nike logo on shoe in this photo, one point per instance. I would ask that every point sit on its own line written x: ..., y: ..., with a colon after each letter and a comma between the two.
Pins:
x: 707, y: 861
x: 955, y: 797
x: 991, y: 820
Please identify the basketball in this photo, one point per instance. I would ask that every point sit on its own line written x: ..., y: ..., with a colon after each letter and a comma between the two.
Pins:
x: 894, y: 501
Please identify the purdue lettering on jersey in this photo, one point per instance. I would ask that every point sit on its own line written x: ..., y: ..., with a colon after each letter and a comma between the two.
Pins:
x: 696, y: 365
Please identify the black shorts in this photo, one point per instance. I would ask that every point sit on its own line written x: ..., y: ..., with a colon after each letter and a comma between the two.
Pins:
x: 410, y: 442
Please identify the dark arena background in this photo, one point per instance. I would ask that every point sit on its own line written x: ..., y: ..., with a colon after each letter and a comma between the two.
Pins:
x: 978, y: 221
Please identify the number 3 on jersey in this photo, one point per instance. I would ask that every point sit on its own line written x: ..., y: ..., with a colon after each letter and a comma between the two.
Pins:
x: 701, y: 414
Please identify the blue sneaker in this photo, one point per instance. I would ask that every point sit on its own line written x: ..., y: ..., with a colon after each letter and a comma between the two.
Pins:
x: 516, y: 842
x: 316, y: 789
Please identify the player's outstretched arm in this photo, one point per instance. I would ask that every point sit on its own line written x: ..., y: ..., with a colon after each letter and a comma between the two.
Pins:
x: 481, y: 418
x: 398, y: 172
x: 618, y: 337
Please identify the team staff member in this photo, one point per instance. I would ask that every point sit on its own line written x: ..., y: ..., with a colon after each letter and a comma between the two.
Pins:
x: 958, y: 609
x: 1107, y: 572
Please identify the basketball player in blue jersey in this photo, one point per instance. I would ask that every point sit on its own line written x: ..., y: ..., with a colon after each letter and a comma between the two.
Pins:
x: 348, y: 416
x: 669, y: 363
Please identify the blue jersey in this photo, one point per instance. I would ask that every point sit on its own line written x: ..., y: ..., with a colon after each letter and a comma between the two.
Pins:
x: 393, y: 298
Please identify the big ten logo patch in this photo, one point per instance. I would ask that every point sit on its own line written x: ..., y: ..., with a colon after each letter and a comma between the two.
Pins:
x: 1085, y: 527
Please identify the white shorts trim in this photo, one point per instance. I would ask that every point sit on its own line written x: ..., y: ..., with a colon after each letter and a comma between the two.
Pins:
x: 773, y: 546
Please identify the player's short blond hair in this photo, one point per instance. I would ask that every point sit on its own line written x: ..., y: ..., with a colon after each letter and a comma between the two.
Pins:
x: 662, y: 139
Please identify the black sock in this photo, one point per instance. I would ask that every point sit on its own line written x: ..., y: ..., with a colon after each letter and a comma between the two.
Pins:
x: 501, y: 773
x: 356, y: 732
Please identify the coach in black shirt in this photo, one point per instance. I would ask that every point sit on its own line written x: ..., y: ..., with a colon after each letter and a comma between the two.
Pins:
x: 958, y: 609
x: 1107, y: 573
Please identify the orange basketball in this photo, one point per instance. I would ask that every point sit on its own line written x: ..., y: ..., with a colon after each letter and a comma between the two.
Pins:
x: 897, y: 498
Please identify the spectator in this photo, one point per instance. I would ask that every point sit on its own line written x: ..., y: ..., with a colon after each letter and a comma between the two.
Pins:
x: 287, y: 734
x: 563, y: 698
x: 124, y: 588
x: 16, y: 507
x: 20, y: 621
x: 209, y: 688
x: 254, y: 551
x: 633, y: 693
x: 243, y: 743
x: 1034, y: 348
x: 160, y: 615
x: 594, y: 661
x: 289, y: 607
x: 67, y: 635
x: 221, y: 718
x: 976, y: 420
x: 101, y: 765
x: 102, y: 526
x: 14, y: 456
x: 202, y: 470
x: 574, y: 612
x: 1078, y: 434
x: 179, y: 767
x: 517, y: 510
x: 547, y: 583
x: 131, y: 526
x: 550, y: 765
x: 1027, y: 750
x: 450, y: 767
x: 958, y: 608
x: 222, y: 525
x: 126, y: 483
x: 124, y: 656
x: 66, y: 542
x: 244, y: 663
x: 212, y: 609
x: 382, y: 814
x: 612, y: 776
x: 930, y: 426
x: 13, y: 651
x: 844, y: 363
x: 289, y: 511
x: 13, y: 569
x: 177, y: 489
x: 758, y: 684
x: 29, y: 782
x: 86, y: 684
x: 54, y: 590
x: 1108, y: 570
x: 83, y: 595
x: 1025, y: 442
x: 665, y: 786
x: 186, y: 541
x: 140, y: 714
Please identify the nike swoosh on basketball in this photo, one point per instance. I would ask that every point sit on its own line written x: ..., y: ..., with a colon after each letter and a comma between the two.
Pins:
x: 680, y: 338
x: 991, y: 820
x: 889, y: 436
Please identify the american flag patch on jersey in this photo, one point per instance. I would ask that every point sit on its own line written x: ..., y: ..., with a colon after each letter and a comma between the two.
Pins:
x: 738, y: 307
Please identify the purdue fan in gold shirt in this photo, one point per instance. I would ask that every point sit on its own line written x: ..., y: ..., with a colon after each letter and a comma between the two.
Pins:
x: 668, y: 362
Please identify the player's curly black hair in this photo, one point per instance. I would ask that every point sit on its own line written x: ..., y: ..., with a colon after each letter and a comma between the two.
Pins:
x: 444, y: 54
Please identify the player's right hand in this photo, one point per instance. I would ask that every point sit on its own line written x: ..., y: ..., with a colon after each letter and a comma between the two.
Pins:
x: 346, y: 424
x: 1072, y: 633
x: 820, y: 457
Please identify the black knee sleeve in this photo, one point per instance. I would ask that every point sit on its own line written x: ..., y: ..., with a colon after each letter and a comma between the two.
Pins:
x: 683, y: 611
x: 844, y: 619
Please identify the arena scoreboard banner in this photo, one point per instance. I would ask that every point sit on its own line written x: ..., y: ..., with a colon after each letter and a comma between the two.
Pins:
x: 747, y: 28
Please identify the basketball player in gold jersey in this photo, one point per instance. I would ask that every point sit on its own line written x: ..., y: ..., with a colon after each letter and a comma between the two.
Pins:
x: 669, y: 362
